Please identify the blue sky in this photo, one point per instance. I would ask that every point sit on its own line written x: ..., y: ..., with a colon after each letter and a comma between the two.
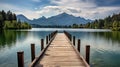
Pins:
x: 89, y: 9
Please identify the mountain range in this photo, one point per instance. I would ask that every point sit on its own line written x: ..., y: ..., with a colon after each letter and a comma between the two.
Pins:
x: 61, y: 19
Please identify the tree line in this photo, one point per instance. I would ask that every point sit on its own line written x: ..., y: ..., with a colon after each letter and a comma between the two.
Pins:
x: 8, y: 20
x: 110, y: 22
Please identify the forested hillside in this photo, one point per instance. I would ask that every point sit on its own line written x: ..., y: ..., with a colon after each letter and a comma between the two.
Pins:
x: 110, y: 22
x: 8, y: 20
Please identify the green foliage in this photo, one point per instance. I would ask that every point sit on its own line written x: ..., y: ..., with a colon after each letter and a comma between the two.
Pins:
x: 110, y: 22
x: 9, y: 21
x: 8, y: 37
x: 25, y: 25
x: 74, y: 26
x: 1, y: 22
x: 116, y: 26
x: 87, y: 25
x: 15, y: 25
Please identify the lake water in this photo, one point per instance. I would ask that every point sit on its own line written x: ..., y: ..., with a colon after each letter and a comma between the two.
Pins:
x: 105, y: 45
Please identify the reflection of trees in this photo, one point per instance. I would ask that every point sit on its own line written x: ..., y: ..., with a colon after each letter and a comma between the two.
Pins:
x: 114, y: 36
x: 9, y: 37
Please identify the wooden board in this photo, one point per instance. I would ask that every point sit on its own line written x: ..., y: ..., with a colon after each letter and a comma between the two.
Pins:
x: 60, y: 53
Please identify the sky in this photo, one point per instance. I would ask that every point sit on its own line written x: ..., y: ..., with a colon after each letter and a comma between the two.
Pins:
x: 89, y: 9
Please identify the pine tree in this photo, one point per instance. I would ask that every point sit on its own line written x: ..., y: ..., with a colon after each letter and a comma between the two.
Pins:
x: 14, y: 17
x: 4, y: 15
x: 1, y: 21
x: 9, y: 16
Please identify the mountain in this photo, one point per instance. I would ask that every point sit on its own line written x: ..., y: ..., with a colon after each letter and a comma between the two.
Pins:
x: 61, y: 19
x: 66, y: 19
x: 23, y: 18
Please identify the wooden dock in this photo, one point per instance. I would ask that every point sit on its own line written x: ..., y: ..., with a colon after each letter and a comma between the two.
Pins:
x: 60, y: 52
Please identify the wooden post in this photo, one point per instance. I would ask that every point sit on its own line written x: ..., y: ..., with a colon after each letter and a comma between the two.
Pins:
x: 46, y: 39
x: 20, y: 56
x: 42, y: 44
x: 69, y: 36
x: 49, y: 37
x: 87, y: 53
x: 52, y: 34
x: 78, y: 45
x: 32, y: 52
x: 74, y: 40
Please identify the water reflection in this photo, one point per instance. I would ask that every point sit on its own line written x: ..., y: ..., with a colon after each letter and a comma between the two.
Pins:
x: 105, y: 45
x: 9, y: 37
x: 12, y: 41
x: 114, y: 36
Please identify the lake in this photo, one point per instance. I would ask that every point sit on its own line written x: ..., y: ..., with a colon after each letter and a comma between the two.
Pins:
x: 105, y: 45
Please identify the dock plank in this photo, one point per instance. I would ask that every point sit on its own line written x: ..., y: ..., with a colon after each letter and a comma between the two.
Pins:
x: 60, y: 53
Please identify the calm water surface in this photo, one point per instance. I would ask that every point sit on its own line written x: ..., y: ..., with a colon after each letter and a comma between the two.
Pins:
x: 105, y: 45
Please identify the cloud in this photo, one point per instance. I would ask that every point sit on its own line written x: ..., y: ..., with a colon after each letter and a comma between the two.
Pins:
x: 74, y: 3
x: 29, y: 14
x: 72, y: 10
x: 84, y: 8
x: 19, y: 10
x: 107, y: 3
x: 98, y: 12
x: 92, y: 13
x: 54, y: 10
x: 49, y: 11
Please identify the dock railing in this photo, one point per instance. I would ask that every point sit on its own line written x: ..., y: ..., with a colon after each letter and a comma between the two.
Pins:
x: 49, y: 39
x: 34, y: 59
x: 73, y: 42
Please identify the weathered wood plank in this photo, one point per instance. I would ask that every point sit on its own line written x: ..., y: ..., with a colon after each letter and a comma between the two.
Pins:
x: 60, y: 53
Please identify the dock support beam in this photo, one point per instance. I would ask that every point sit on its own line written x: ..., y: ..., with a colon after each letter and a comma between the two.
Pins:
x: 78, y: 47
x: 87, y: 53
x: 32, y: 52
x: 20, y: 56
x: 42, y: 44
x: 74, y: 40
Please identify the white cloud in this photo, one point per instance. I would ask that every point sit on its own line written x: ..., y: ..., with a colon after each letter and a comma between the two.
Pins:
x: 89, y: 13
x: 49, y: 11
x: 98, y: 12
x: 54, y: 10
x: 19, y: 10
x: 74, y: 3
x: 29, y: 14
x: 84, y: 8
